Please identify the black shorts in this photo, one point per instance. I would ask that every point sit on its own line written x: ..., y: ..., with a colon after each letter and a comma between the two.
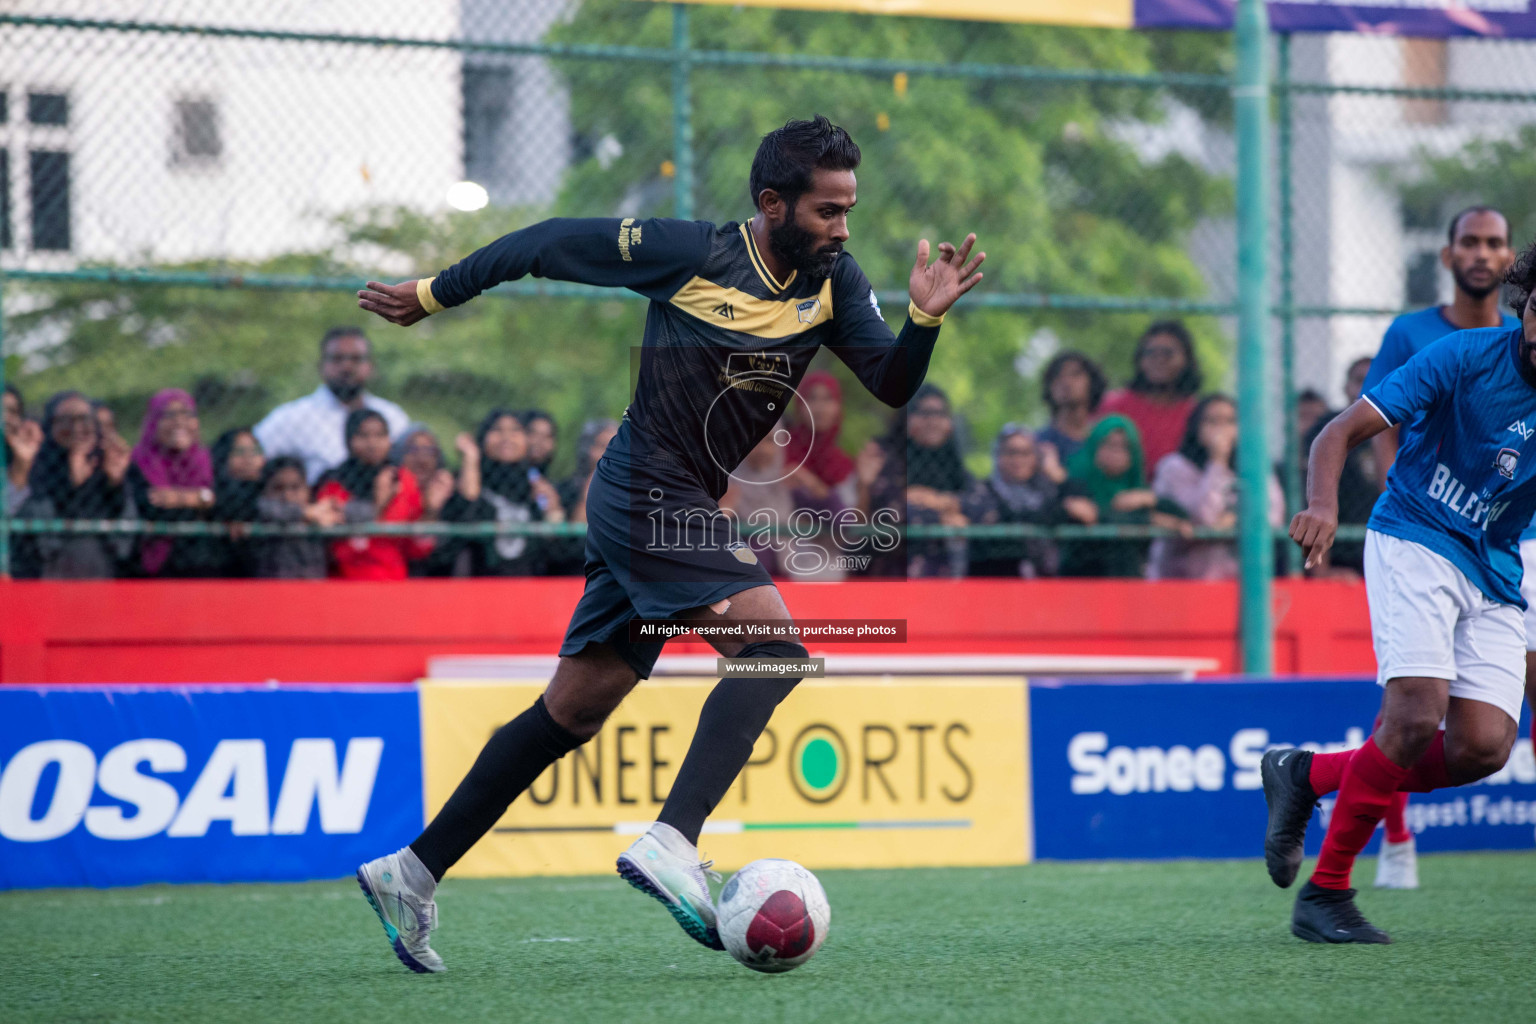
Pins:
x: 657, y: 545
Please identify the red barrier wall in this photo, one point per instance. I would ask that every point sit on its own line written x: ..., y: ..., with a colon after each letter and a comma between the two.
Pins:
x: 243, y: 631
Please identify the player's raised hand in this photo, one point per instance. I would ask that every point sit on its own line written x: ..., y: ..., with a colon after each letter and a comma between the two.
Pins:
x: 935, y: 287
x: 1314, y: 529
x: 396, y: 303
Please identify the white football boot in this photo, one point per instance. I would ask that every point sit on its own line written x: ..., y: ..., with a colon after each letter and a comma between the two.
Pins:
x: 1397, y: 866
x: 408, y: 913
x: 664, y: 864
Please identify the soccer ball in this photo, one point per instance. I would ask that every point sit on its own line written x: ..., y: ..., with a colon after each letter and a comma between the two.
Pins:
x: 773, y: 915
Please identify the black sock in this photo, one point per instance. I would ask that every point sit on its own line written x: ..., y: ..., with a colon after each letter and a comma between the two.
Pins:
x: 514, y: 756
x: 734, y: 716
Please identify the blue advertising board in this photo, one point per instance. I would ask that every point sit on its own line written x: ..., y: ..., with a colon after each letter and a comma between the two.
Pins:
x: 125, y: 785
x: 1126, y: 770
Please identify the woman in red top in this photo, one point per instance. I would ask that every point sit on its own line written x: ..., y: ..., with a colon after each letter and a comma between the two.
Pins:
x: 1163, y: 392
x: 370, y: 489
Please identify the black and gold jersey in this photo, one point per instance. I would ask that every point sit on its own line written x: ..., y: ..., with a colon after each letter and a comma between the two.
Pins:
x: 725, y: 341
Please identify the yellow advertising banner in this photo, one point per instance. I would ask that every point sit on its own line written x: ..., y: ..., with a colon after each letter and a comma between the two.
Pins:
x: 851, y: 773
x: 1095, y: 13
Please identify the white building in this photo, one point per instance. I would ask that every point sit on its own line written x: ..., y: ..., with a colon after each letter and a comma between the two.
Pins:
x: 135, y: 147
x: 517, y: 123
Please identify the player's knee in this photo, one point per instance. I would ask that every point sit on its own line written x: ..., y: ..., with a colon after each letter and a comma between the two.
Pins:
x: 584, y: 723
x: 1476, y: 757
x: 581, y: 701
x: 1408, y: 731
x: 778, y: 651
x: 783, y: 649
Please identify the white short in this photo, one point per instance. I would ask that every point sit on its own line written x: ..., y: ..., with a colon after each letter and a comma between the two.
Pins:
x: 1528, y: 591
x: 1429, y: 621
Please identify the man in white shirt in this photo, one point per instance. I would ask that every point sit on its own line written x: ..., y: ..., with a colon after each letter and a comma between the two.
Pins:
x: 312, y: 428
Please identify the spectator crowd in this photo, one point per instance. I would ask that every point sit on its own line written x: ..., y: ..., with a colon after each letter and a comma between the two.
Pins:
x: 1157, y: 452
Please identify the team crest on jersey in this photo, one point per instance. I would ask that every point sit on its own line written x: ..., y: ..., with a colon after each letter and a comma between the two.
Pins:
x: 1506, y: 461
x: 753, y: 364
x: 742, y: 552
x: 808, y: 310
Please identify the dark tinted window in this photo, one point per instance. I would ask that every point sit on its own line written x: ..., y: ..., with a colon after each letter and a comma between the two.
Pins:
x: 487, y: 107
x: 5, y: 198
x: 50, y: 199
x: 47, y: 108
x: 197, y: 131
x: 1424, y: 279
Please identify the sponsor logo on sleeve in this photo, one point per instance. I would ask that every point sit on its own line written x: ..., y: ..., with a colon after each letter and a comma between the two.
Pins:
x: 629, y: 238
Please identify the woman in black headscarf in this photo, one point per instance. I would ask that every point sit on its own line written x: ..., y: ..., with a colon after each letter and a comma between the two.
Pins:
x: 78, y: 474
x: 1019, y: 491
x: 543, y: 435
x: 936, y: 479
x: 238, y: 473
x: 511, y: 491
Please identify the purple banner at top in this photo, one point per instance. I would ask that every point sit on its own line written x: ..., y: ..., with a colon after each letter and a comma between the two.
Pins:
x: 1496, y: 18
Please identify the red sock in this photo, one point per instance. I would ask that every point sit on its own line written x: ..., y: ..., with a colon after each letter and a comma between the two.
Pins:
x: 1328, y: 771
x: 1364, y: 796
x: 1397, y: 824
x: 1428, y: 773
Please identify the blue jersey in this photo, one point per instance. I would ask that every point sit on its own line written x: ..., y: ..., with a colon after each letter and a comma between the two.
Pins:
x: 1463, y: 485
x: 1408, y: 335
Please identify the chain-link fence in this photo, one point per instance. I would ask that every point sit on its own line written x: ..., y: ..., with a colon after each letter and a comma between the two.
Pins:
x: 190, y: 196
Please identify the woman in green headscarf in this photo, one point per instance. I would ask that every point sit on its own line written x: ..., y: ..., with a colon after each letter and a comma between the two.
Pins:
x: 1107, y: 483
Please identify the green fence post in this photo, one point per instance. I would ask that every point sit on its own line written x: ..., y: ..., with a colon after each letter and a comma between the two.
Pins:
x: 1250, y: 98
x: 1291, y: 467
x: 682, y: 115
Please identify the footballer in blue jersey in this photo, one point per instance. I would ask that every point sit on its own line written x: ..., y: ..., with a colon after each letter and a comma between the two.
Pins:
x: 1442, y: 575
x: 1478, y: 254
x: 737, y: 312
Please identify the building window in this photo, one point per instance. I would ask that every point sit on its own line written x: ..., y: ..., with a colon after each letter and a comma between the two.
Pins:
x: 487, y: 108
x: 1424, y: 279
x: 195, y: 137
x: 5, y: 196
x: 50, y: 199
x: 48, y: 108
x: 4, y: 105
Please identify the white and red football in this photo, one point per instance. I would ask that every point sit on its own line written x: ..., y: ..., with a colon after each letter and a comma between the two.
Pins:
x: 773, y: 915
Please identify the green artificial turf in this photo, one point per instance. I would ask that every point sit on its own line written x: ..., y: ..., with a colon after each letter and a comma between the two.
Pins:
x: 1178, y: 942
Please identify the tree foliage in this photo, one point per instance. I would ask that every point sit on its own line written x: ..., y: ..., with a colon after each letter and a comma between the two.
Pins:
x: 1047, y: 174
x: 1497, y: 172
x: 1075, y: 188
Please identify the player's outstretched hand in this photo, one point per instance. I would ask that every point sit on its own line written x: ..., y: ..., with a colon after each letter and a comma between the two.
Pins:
x: 396, y: 303
x: 935, y: 287
x: 1314, y: 529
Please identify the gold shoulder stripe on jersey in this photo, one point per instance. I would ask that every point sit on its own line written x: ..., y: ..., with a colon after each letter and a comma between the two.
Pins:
x: 758, y: 265
x: 735, y: 310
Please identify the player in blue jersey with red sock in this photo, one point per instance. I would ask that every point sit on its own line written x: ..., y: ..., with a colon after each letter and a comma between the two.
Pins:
x: 1478, y: 254
x: 1443, y: 575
